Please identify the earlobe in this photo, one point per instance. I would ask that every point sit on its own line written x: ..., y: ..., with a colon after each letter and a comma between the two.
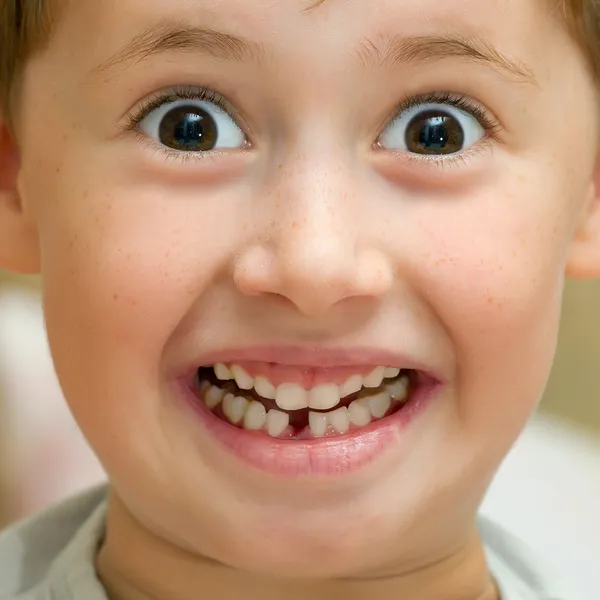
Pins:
x: 19, y: 250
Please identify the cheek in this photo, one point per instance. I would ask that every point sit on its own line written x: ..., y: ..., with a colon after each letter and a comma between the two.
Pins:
x: 495, y: 277
x: 121, y: 268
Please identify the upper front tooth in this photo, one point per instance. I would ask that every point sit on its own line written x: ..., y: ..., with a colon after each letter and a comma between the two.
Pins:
x: 324, y: 397
x: 264, y: 388
x: 291, y: 396
x: 353, y: 384
x: 222, y: 372
x: 374, y: 378
x: 391, y: 372
x: 243, y: 380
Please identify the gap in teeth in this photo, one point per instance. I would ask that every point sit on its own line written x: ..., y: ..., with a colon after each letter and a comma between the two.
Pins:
x: 247, y: 410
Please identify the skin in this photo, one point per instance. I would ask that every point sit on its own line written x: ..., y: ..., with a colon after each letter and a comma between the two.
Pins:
x: 313, y: 237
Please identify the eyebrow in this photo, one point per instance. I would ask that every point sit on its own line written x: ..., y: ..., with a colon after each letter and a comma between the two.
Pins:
x: 395, y: 50
x: 424, y: 49
x: 165, y: 38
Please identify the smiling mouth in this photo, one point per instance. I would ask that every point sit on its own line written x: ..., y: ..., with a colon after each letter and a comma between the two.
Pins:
x: 287, y: 410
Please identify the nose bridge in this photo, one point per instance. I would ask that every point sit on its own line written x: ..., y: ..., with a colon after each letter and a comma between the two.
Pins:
x: 316, y: 235
x: 312, y: 252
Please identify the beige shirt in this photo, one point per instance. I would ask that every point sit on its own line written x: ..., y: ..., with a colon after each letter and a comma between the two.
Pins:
x: 51, y: 557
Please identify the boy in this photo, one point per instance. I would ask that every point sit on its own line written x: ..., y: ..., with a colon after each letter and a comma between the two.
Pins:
x: 302, y: 273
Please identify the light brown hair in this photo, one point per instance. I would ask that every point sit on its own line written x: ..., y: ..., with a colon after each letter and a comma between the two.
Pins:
x: 26, y: 26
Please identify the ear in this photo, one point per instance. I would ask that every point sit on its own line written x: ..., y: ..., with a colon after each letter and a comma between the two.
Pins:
x: 584, y: 256
x: 19, y: 250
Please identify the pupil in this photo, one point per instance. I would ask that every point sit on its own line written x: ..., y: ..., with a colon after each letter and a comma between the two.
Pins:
x: 188, y: 128
x: 434, y: 133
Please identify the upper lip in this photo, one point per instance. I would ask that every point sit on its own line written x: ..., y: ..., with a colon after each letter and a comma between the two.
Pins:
x: 316, y: 357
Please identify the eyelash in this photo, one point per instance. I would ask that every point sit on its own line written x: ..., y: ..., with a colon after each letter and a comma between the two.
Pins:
x: 157, y: 100
x: 489, y: 123
x: 461, y: 102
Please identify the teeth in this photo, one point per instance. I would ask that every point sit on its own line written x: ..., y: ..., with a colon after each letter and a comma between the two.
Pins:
x: 213, y: 396
x: 374, y: 379
x: 379, y: 404
x: 359, y: 413
x: 353, y: 384
x: 398, y: 390
x: 324, y: 397
x: 340, y: 420
x: 290, y: 396
x: 235, y: 408
x: 277, y: 422
x: 255, y: 417
x: 390, y: 372
x: 264, y: 388
x: 222, y: 372
x: 317, y: 423
x: 243, y: 380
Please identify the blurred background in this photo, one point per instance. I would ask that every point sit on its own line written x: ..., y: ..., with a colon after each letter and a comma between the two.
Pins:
x: 547, y: 492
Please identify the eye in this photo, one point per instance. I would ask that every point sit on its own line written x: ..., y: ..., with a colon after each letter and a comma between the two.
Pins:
x: 192, y: 126
x: 433, y: 129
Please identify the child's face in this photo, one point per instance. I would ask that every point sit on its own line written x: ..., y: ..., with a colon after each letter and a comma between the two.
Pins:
x: 323, y: 230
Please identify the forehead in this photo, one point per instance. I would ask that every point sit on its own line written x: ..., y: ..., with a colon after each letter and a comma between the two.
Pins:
x: 307, y: 27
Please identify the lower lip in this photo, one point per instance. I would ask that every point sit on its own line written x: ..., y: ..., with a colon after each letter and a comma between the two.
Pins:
x: 329, y: 456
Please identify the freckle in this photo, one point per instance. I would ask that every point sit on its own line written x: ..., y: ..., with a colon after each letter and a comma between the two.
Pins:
x: 116, y: 297
x: 295, y: 225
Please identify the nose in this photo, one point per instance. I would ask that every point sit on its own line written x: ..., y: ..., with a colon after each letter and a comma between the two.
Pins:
x: 314, y: 251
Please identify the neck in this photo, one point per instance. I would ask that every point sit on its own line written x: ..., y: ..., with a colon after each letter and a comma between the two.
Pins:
x: 134, y: 564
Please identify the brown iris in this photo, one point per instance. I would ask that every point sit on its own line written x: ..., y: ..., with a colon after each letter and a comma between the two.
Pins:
x: 189, y: 129
x: 434, y: 132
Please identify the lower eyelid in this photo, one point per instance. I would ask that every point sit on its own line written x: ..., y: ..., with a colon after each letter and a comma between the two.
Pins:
x: 177, y: 156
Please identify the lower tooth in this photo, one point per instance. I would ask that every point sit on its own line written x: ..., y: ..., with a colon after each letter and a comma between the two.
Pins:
x: 398, y: 390
x: 359, y: 413
x: 203, y: 386
x: 317, y: 423
x: 277, y: 422
x: 380, y: 404
x: 255, y: 417
x: 213, y: 396
x: 235, y: 408
x: 339, y: 420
